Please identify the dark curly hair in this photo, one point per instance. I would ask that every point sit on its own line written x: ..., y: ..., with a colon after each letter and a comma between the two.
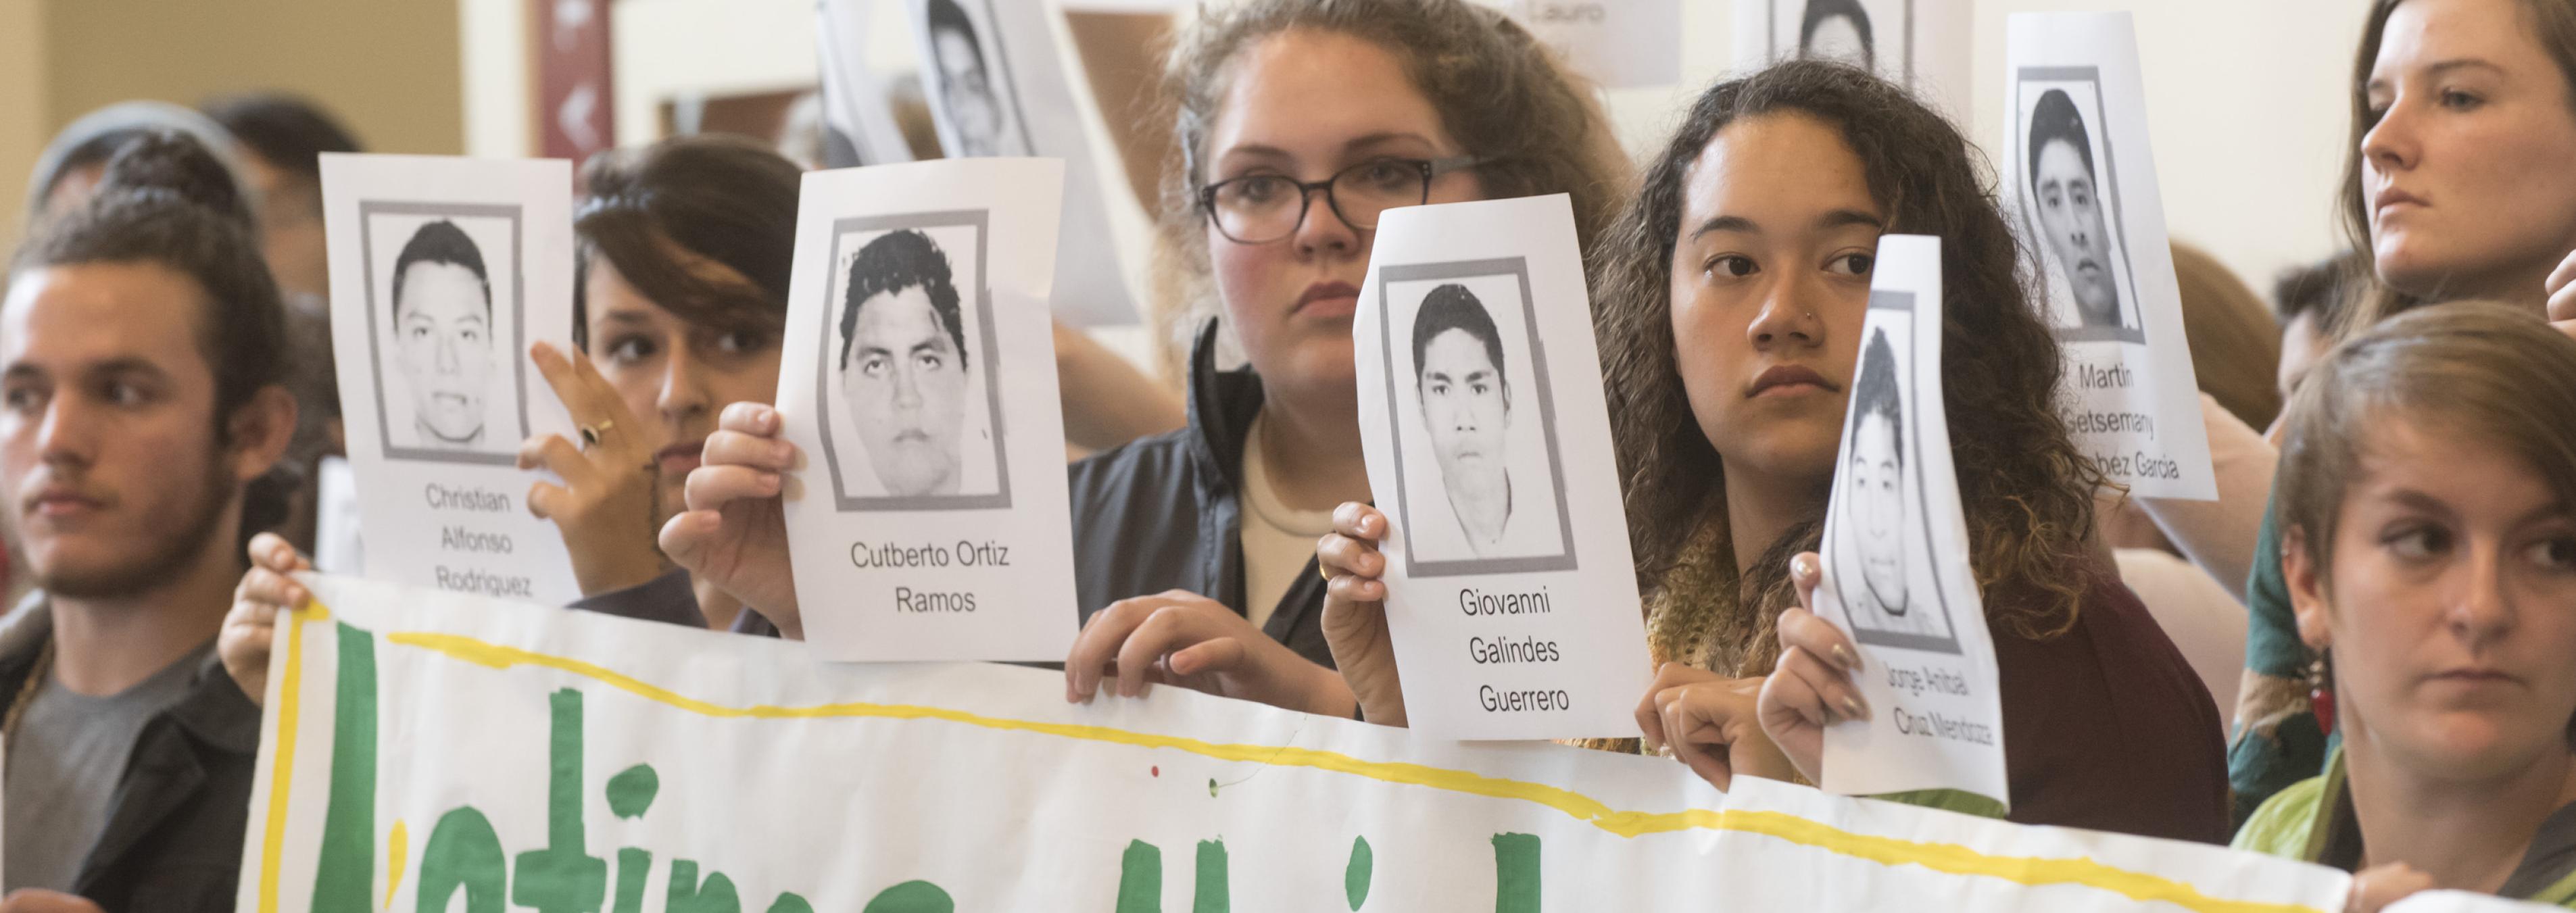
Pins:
x: 2028, y: 492
x: 895, y: 261
x: 1874, y: 390
x: 722, y: 198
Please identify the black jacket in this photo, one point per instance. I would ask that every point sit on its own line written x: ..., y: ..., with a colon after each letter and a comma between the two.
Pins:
x: 173, y: 840
x: 1163, y: 513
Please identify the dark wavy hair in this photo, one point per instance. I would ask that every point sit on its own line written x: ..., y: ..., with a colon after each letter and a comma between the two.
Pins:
x: 1875, y: 391
x: 1453, y: 307
x: 725, y: 198
x: 895, y: 261
x: 165, y: 199
x: 2055, y: 120
x: 440, y: 242
x: 2027, y: 491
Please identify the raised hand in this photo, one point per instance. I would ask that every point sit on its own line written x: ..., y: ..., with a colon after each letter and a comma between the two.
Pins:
x: 604, y: 508
x: 734, y: 535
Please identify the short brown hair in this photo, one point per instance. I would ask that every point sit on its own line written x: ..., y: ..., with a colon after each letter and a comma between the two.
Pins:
x: 2482, y: 370
x: 725, y: 198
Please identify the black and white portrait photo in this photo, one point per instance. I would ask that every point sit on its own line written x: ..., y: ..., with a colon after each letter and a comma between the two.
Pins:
x: 1837, y: 30
x: 1869, y: 34
x: 444, y: 317
x: 911, y: 415
x: 1474, y: 430
x: 2070, y: 206
x: 1883, y: 567
x: 968, y: 79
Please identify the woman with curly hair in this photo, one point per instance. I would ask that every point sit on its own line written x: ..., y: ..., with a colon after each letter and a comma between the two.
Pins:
x: 1728, y: 304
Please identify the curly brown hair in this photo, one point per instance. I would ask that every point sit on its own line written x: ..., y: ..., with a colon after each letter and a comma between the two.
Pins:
x: 1503, y: 95
x: 2026, y: 489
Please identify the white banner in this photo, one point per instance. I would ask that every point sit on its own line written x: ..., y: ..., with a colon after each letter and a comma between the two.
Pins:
x: 422, y: 748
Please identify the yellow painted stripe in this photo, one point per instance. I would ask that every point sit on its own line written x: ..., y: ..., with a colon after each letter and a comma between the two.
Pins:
x: 1888, y: 851
x: 289, y: 698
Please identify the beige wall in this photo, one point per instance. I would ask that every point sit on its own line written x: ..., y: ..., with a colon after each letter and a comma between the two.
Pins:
x: 389, y: 68
x: 22, y: 107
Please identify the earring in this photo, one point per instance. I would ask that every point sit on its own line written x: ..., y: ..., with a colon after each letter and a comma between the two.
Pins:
x: 2321, y: 698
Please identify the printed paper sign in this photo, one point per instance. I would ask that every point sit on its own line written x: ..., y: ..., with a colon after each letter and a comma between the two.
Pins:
x: 1897, y: 577
x: 1618, y: 44
x: 1511, y: 596
x: 443, y: 272
x: 428, y: 751
x: 1924, y: 45
x: 918, y: 379
x: 998, y: 88
x: 858, y: 123
x: 2080, y: 182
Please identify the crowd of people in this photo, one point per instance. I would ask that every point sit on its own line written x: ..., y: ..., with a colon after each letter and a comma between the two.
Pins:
x: 2355, y: 656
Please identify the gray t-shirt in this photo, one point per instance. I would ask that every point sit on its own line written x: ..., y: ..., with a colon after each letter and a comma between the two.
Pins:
x: 64, y: 762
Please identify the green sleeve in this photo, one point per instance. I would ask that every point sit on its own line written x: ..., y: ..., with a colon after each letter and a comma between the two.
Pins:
x: 2272, y: 645
x: 1948, y: 800
x: 2277, y: 739
x: 2281, y: 826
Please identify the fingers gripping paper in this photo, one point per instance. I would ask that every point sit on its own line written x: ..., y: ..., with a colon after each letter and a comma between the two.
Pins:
x: 1511, y: 596
x: 427, y: 751
x: 1897, y: 578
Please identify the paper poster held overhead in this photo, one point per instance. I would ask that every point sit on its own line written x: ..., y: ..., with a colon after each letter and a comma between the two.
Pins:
x: 858, y: 123
x: 1897, y: 577
x: 443, y: 272
x: 1511, y: 597
x: 1924, y: 45
x: 917, y: 377
x: 2079, y: 183
x: 998, y: 87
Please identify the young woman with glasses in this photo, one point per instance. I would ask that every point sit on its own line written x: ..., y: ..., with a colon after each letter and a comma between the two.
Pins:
x: 1299, y: 122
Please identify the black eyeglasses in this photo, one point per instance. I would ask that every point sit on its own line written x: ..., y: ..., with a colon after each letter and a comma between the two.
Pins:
x: 1261, y: 208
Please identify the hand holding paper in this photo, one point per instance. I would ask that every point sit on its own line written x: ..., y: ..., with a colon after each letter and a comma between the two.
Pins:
x: 733, y: 534
x: 1814, y: 685
x: 1355, y: 612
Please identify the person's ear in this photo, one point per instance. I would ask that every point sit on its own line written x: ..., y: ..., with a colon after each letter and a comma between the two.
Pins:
x: 260, y: 431
x: 2309, y: 602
